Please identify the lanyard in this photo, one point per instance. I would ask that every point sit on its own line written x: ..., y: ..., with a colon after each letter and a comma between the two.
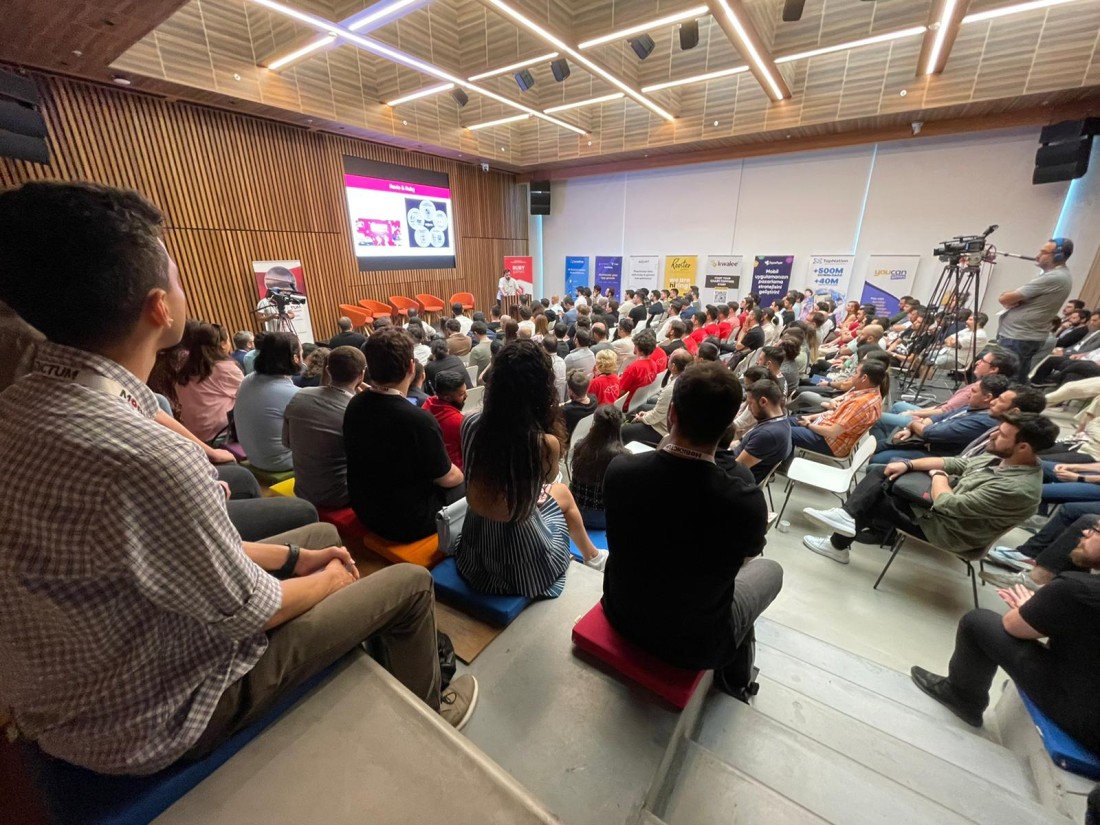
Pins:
x: 684, y: 452
x: 87, y: 378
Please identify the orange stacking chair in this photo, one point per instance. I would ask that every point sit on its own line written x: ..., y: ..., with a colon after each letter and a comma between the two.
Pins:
x: 359, y: 316
x: 464, y: 298
x: 429, y: 303
x: 403, y: 304
x: 376, y: 308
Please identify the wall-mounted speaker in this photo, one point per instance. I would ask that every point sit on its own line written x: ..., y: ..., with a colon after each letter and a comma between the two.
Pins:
x: 689, y: 35
x: 525, y: 80
x: 560, y: 68
x: 540, y: 197
x: 460, y: 97
x: 1064, y: 153
x: 642, y: 45
x: 22, y: 128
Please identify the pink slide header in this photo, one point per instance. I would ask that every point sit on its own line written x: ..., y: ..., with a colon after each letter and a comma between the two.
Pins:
x: 396, y: 187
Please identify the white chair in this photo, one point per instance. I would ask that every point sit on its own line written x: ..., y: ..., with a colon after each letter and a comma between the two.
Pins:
x: 472, y: 370
x: 620, y: 403
x: 835, y: 480
x: 474, y: 397
x: 839, y: 461
x: 465, y: 359
x: 643, y: 394
x: 584, y: 426
x: 967, y: 557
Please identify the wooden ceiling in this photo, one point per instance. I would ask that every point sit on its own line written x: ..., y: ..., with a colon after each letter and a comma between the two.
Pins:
x: 215, y: 52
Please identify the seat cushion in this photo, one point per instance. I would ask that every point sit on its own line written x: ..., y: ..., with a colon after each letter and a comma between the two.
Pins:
x: 595, y: 635
x: 343, y: 519
x: 77, y: 796
x: 284, y: 488
x: 451, y: 588
x: 1066, y: 752
x: 266, y: 476
x: 424, y: 552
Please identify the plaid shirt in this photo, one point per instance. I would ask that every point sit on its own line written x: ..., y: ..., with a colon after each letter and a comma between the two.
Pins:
x: 857, y: 410
x: 127, y: 604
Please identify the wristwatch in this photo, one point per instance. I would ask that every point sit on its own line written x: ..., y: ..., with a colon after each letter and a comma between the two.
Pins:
x: 287, y: 570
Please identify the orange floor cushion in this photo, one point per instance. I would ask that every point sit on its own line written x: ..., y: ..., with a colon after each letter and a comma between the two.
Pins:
x: 424, y: 552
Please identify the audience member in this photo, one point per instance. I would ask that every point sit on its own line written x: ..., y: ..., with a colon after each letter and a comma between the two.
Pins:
x: 421, y: 351
x: 243, y: 343
x: 313, y: 430
x: 481, y: 355
x: 346, y: 337
x: 992, y: 493
x: 196, y: 659
x: 591, y: 456
x: 1054, y: 557
x: 1087, y: 348
x: 446, y: 405
x: 835, y: 432
x: 464, y: 322
x: 414, y: 318
x: 623, y: 345
x: 698, y: 613
x: 383, y: 430
x: 416, y: 394
x: 1022, y: 327
x: 515, y: 537
x: 207, y: 383
x: 581, y: 402
x: 443, y: 361
x: 262, y: 398
x: 650, y: 426
x: 581, y: 357
x: 557, y: 365
x: 313, y: 369
x: 708, y: 351
x: 768, y: 444
x: 640, y: 372
x: 458, y: 342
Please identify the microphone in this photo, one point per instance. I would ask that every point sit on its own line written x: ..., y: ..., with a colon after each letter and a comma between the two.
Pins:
x: 1015, y: 255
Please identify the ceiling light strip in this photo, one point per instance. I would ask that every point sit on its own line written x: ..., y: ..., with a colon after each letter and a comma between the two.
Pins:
x: 499, y: 122
x: 668, y: 20
x: 382, y: 50
x: 699, y: 78
x: 854, y: 44
x: 430, y: 90
x: 1019, y: 8
x: 309, y: 48
x: 590, y: 102
x: 512, y: 67
x: 380, y: 14
x: 940, y: 37
x: 558, y: 44
x: 748, y: 46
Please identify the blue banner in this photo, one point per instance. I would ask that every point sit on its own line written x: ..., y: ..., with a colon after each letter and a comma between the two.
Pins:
x: 609, y: 274
x: 771, y: 277
x: 885, y: 304
x: 576, y: 273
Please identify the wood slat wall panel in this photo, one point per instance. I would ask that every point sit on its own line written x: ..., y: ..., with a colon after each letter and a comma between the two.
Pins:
x: 236, y: 189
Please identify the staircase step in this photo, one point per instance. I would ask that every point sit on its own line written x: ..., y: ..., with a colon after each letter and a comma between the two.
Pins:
x: 925, y: 729
x: 710, y: 792
x: 929, y: 763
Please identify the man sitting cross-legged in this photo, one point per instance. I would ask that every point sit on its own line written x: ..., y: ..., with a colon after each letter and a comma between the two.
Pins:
x: 993, y: 493
x: 136, y: 629
x: 1059, y: 676
x: 697, y: 615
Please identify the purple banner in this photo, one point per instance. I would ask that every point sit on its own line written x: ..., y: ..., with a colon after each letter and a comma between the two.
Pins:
x: 609, y: 274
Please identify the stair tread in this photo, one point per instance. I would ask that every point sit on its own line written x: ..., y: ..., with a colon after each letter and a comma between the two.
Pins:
x: 927, y: 763
x: 713, y: 793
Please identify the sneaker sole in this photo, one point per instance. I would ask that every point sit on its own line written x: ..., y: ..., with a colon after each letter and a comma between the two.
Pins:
x: 469, y: 709
x: 1009, y: 564
x: 844, y: 531
x: 837, y: 559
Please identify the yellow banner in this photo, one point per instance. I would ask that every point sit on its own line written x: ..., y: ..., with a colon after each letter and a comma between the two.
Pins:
x: 680, y: 271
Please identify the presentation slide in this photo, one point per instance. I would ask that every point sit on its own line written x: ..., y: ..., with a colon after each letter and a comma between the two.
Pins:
x: 401, y: 218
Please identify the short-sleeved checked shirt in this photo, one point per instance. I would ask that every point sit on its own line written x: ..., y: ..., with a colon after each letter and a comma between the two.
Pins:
x: 127, y: 604
x: 857, y: 410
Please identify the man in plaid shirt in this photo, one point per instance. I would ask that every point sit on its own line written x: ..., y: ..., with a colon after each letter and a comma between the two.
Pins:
x: 136, y: 628
x: 837, y: 431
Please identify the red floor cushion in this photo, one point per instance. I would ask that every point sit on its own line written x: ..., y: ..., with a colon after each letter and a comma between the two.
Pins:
x: 343, y: 520
x: 595, y: 635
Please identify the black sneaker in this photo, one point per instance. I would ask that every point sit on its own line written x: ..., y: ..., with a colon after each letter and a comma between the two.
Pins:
x: 941, y: 690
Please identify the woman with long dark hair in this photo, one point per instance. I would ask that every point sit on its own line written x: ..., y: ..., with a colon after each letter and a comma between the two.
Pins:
x: 515, y: 538
x: 207, y: 382
x: 590, y: 459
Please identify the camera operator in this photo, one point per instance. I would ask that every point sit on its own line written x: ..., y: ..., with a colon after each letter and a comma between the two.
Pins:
x: 281, y: 285
x: 1025, y: 324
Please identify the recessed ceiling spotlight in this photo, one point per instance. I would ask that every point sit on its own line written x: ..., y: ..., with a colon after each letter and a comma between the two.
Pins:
x: 903, y: 92
x: 589, y: 143
x: 122, y: 81
x: 236, y: 76
x: 404, y: 123
x: 503, y: 149
x: 716, y: 123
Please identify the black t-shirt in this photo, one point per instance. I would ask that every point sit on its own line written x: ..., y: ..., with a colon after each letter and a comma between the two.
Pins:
x: 754, y: 338
x: 610, y: 320
x: 671, y: 345
x: 574, y: 412
x: 1068, y: 611
x: 347, y: 339
x: 395, y: 451
x: 678, y: 610
x: 770, y: 441
x: 449, y: 363
x: 638, y: 314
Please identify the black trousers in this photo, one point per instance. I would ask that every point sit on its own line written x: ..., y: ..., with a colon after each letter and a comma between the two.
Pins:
x: 1075, y: 515
x: 875, y: 509
x: 982, y: 645
x: 1055, y: 557
x: 641, y: 432
x: 1062, y: 453
x: 1050, y: 366
x: 1076, y: 370
x: 256, y: 517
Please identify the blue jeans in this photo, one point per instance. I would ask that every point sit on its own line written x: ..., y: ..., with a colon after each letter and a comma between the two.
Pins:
x: 893, y: 420
x: 805, y: 439
x: 1025, y: 349
x: 1060, y: 522
x: 886, y: 456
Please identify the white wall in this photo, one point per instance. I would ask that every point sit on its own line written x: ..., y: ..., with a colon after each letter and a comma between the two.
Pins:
x: 899, y: 197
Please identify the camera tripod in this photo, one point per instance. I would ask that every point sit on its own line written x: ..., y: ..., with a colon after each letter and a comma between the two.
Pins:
x: 959, y: 284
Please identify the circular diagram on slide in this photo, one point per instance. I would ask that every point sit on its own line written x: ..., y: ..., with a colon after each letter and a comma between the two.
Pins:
x: 429, y: 223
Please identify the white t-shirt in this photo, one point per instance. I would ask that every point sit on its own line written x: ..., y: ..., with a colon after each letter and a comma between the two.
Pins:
x: 507, y: 287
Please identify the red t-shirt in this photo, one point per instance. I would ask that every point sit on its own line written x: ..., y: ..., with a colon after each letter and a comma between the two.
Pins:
x: 660, y: 358
x: 450, y: 421
x: 638, y: 374
x: 724, y: 329
x: 605, y: 388
x: 711, y: 329
x: 691, y: 345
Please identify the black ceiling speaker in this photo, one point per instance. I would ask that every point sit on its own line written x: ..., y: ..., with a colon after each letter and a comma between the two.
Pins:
x: 642, y: 45
x: 1065, y: 150
x: 540, y: 197
x: 22, y: 128
x: 525, y: 80
x: 560, y: 68
x: 460, y: 97
x: 792, y: 10
x: 689, y: 35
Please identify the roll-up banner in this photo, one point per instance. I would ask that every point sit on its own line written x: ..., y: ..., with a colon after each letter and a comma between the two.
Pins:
x: 888, y: 278
x: 609, y: 274
x: 830, y: 276
x: 681, y: 271
x: 771, y: 277
x: 721, y: 279
x: 576, y: 273
x: 643, y: 272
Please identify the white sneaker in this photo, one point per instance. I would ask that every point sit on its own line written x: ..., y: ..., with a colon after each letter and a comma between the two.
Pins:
x: 598, y: 561
x: 1008, y: 580
x: 823, y: 547
x: 1012, y: 559
x: 836, y: 519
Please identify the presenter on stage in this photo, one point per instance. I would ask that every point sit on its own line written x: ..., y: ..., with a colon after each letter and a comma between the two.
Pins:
x: 507, y: 286
x: 1025, y: 323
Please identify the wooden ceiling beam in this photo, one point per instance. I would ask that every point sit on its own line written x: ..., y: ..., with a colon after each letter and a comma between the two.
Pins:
x: 944, y: 20
x: 734, y: 21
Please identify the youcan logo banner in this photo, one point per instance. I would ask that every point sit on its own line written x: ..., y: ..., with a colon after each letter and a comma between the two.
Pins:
x: 771, y: 277
x: 887, y: 279
x: 830, y: 276
x: 721, y: 279
x: 681, y: 271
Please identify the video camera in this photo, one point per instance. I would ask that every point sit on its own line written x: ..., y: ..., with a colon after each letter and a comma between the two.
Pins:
x: 282, y: 298
x: 972, y: 246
